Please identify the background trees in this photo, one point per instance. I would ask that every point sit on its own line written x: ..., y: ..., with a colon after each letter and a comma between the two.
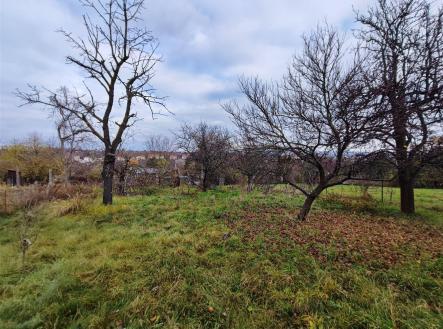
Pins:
x: 160, y: 143
x: 316, y: 115
x: 71, y: 133
x: 404, y: 42
x: 33, y: 158
x: 117, y: 56
x: 253, y: 162
x: 209, y: 147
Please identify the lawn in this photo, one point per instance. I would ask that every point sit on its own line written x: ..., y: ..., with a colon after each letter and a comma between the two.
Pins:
x: 224, y: 259
x: 429, y: 202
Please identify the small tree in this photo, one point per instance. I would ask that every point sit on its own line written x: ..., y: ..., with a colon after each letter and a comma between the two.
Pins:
x: 71, y: 132
x: 209, y: 148
x: 316, y: 115
x: 122, y: 171
x: 159, y: 143
x: 253, y: 162
x: 404, y: 40
x: 119, y: 57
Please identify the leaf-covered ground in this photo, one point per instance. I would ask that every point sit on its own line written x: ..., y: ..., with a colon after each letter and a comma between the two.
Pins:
x: 222, y: 259
x: 348, y: 239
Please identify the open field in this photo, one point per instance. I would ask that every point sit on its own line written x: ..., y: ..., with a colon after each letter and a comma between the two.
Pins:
x: 224, y: 259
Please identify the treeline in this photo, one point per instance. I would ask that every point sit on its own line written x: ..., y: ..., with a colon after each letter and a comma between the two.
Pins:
x: 34, y: 159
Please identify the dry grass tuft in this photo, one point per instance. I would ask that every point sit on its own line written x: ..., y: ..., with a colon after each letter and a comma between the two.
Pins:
x: 74, y: 206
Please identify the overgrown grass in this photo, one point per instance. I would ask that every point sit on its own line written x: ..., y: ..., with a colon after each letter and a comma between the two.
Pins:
x: 175, y: 259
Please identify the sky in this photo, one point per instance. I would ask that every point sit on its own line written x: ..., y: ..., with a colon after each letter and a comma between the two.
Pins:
x: 205, y: 45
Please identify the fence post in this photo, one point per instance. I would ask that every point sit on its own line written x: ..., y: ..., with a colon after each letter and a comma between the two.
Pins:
x: 382, y: 190
x: 50, y: 177
x: 17, y: 177
x: 6, y: 202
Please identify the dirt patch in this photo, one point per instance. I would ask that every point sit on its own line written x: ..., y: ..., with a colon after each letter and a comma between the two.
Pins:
x: 343, y: 237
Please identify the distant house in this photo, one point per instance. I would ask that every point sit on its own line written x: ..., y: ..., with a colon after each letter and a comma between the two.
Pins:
x: 156, y: 155
x: 83, y: 159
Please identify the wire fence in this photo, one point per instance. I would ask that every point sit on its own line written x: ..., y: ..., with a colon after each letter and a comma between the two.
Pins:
x: 13, y: 198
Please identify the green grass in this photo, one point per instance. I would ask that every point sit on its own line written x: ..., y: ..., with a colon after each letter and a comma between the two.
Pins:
x: 428, y: 202
x: 172, y: 260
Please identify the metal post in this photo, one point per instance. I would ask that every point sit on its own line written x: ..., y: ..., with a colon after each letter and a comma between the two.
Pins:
x: 382, y: 190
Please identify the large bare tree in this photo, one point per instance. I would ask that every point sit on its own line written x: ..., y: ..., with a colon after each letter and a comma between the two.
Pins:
x: 404, y: 40
x: 118, y: 56
x: 316, y: 115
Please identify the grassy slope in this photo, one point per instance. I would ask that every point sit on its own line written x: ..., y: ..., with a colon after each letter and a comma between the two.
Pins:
x: 174, y: 260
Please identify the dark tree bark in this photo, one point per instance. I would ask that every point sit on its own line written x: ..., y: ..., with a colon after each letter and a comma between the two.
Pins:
x: 306, y: 208
x: 406, y: 182
x: 118, y: 56
x: 205, y: 184
x: 404, y: 42
x: 108, y: 177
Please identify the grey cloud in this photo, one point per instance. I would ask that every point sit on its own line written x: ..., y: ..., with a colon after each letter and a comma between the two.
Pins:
x: 205, y: 46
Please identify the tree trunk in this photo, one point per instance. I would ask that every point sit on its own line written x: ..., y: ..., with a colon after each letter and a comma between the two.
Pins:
x: 406, y: 182
x: 204, y: 178
x: 306, y: 207
x: 250, y: 184
x: 107, y: 176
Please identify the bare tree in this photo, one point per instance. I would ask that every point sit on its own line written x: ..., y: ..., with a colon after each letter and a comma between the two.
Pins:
x: 71, y: 132
x: 122, y: 170
x: 209, y: 147
x: 404, y: 39
x: 253, y: 161
x: 316, y: 115
x: 118, y: 56
x: 160, y: 143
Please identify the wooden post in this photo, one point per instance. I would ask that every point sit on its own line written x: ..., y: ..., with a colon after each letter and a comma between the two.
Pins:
x: 17, y: 177
x: 6, y: 202
x: 50, y: 178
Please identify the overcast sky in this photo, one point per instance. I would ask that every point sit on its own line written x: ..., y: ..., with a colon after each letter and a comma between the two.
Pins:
x: 205, y: 45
